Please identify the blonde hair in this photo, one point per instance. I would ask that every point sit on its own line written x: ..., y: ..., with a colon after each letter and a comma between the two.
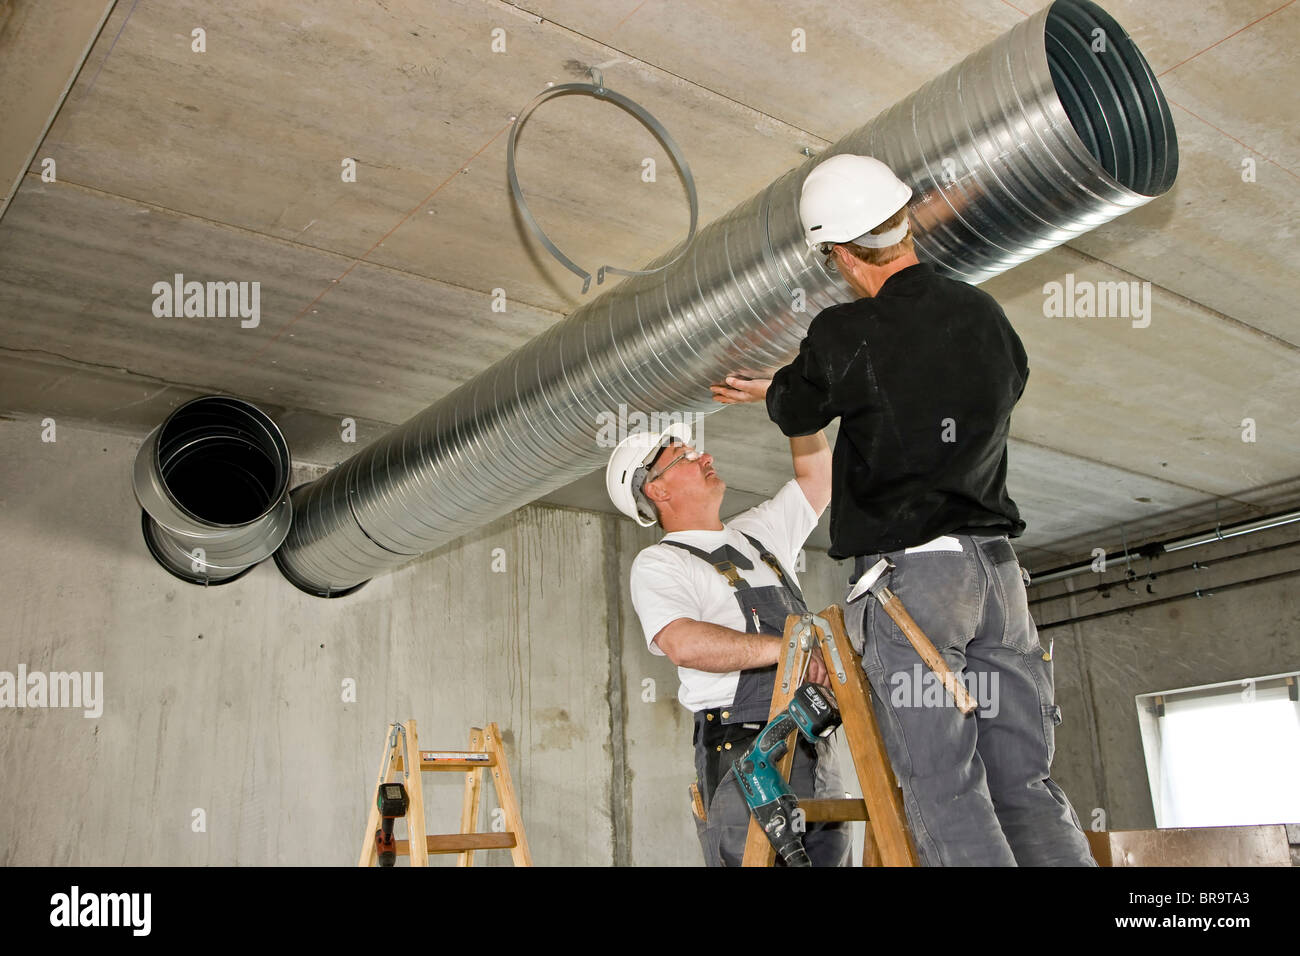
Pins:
x: 878, y: 257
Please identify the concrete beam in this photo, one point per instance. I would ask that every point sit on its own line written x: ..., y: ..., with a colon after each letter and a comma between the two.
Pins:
x: 40, y: 57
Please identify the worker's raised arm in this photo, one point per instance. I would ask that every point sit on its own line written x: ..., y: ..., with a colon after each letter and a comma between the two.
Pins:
x: 810, y: 452
x: 716, y: 649
x: 799, y: 399
x: 812, y: 468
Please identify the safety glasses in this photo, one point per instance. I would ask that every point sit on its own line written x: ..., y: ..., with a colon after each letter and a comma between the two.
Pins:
x: 691, y: 455
x: 827, y: 249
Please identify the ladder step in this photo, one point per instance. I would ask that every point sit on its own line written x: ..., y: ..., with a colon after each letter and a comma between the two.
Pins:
x: 456, y: 763
x: 833, y: 810
x: 459, y: 842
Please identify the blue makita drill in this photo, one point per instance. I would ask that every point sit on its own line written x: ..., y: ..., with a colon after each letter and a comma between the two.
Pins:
x: 813, y: 713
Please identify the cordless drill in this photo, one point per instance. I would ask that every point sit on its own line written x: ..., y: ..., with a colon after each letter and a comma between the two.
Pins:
x: 392, y: 802
x: 812, y: 712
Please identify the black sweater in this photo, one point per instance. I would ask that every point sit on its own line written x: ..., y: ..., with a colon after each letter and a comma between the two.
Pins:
x: 923, y: 378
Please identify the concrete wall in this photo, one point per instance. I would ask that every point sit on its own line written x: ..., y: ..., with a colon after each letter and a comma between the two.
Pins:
x: 230, y: 699
x: 1102, y: 665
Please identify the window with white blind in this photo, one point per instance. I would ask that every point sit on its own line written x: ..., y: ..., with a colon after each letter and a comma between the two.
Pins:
x: 1224, y: 754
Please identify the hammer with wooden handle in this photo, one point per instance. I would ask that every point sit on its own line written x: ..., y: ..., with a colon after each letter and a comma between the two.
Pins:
x: 874, y: 581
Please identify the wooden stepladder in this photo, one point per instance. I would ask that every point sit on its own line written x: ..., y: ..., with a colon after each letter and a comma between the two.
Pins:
x: 486, y: 753
x: 888, y: 842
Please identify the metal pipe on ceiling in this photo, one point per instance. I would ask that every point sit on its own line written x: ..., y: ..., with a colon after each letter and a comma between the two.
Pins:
x: 1049, y: 131
x: 1198, y: 593
x: 1156, y: 548
x: 1151, y: 574
x: 213, y: 486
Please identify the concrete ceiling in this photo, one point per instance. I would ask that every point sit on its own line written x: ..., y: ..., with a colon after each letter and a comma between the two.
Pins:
x: 376, y: 296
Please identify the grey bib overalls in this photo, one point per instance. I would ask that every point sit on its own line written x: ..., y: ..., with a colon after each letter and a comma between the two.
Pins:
x: 721, y: 737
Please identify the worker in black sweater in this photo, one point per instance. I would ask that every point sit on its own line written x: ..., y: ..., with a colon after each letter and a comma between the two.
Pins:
x: 923, y: 372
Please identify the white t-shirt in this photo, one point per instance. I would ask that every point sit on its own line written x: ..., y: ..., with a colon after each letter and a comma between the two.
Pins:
x: 668, y: 583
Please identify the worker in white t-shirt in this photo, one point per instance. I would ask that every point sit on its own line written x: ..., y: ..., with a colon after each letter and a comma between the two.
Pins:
x: 714, y: 598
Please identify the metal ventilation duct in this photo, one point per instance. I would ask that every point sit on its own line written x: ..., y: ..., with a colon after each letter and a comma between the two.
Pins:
x: 213, y: 483
x: 1049, y: 131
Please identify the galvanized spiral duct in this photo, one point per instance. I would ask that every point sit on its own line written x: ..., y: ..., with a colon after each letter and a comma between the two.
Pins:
x: 1046, y: 133
x: 213, y: 484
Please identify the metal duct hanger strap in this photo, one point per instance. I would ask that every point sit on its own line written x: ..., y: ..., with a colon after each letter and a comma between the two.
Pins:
x: 597, y: 88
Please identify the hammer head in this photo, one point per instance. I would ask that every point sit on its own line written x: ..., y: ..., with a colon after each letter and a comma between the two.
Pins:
x: 872, y: 580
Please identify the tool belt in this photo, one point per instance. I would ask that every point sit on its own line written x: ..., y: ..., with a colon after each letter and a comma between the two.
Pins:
x: 724, y: 744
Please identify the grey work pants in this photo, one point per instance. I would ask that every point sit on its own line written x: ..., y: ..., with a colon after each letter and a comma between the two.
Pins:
x: 977, y: 790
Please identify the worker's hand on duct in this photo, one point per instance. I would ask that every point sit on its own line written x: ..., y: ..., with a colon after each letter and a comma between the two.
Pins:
x: 738, y: 390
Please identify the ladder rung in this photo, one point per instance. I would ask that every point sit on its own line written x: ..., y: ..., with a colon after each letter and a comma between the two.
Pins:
x: 833, y: 810
x: 458, y: 765
x: 458, y: 842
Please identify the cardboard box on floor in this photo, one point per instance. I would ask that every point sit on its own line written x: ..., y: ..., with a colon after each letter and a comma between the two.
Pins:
x: 1193, y: 846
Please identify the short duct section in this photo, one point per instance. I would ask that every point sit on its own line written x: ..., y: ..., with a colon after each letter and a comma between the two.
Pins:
x: 213, y: 484
x: 1049, y: 131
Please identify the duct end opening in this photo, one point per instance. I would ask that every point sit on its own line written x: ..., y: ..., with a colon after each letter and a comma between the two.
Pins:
x: 1111, y: 97
x: 212, y: 481
x: 222, y: 461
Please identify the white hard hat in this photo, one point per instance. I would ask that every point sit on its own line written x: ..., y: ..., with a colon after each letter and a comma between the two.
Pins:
x: 847, y: 196
x: 629, y: 464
